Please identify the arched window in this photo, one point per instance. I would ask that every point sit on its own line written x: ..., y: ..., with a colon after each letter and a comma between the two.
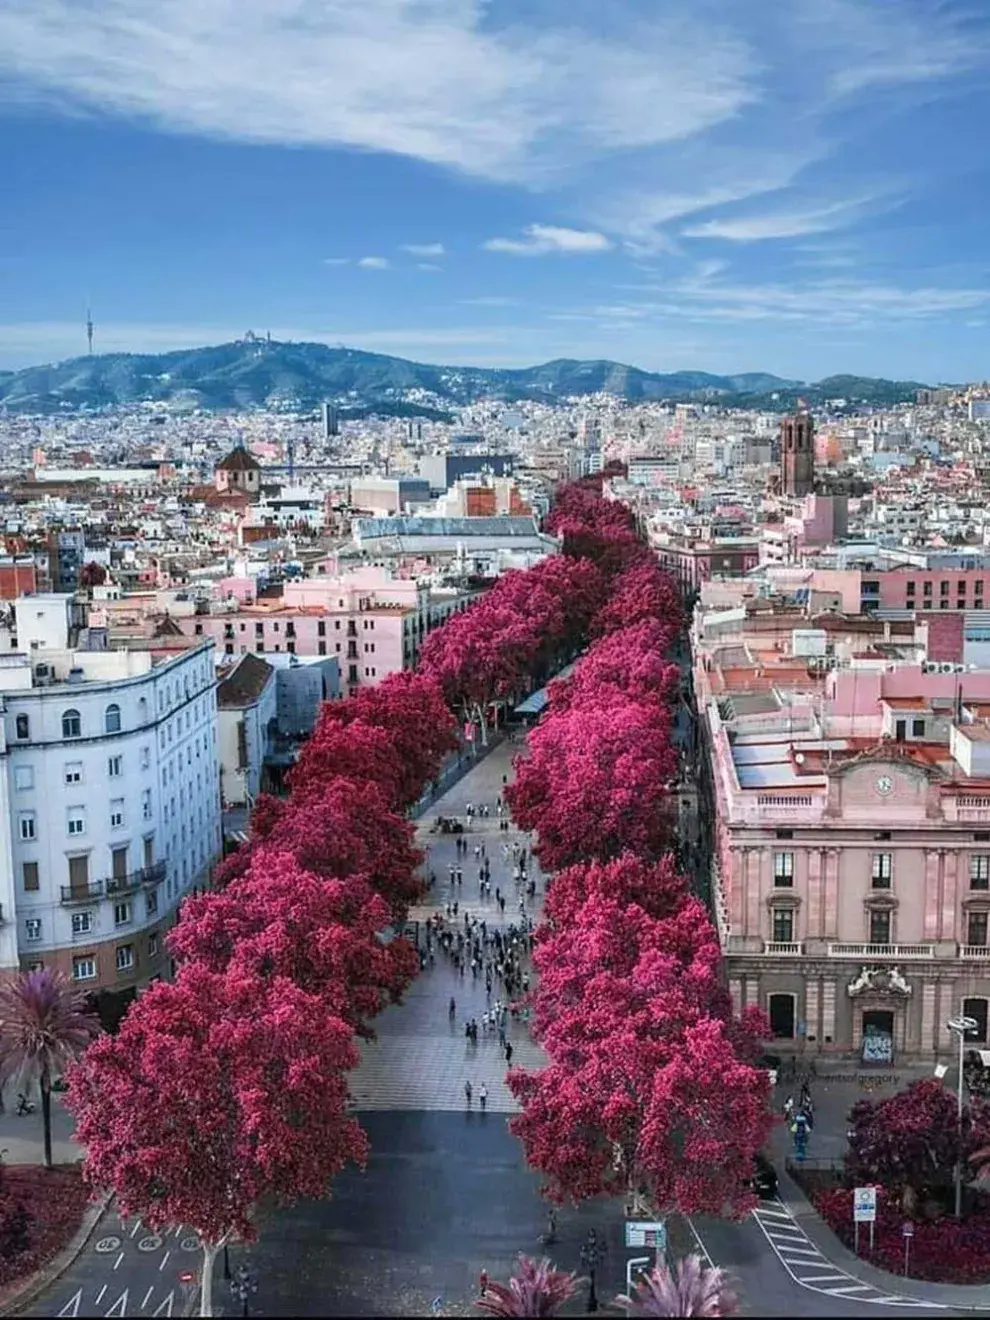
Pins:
x: 111, y: 720
x: 71, y: 724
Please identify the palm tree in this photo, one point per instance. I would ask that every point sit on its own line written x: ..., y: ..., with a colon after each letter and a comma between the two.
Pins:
x: 539, y: 1289
x: 44, y: 1025
x: 688, y: 1289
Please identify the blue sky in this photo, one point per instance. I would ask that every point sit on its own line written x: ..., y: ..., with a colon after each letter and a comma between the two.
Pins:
x: 797, y: 186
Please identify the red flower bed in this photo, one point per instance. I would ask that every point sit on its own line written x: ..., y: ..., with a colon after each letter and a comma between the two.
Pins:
x: 942, y: 1250
x: 55, y: 1200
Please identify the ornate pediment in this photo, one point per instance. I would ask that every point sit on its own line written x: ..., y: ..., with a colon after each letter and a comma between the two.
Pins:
x: 880, y: 981
x: 891, y: 753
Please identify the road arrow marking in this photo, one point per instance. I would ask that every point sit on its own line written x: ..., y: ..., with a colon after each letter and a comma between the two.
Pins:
x: 72, y: 1305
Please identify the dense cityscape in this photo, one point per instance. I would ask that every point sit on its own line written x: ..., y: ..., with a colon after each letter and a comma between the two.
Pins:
x: 610, y: 768
x: 494, y: 659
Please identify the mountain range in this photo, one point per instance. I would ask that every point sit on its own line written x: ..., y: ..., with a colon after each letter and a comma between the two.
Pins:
x: 252, y: 373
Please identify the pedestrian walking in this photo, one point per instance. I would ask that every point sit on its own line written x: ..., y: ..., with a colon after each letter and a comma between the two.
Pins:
x: 789, y: 1107
x: 483, y: 1097
x: 467, y: 1093
x: 508, y: 1052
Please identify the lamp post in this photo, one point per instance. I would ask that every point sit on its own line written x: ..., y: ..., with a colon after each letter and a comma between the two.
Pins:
x: 243, y: 1284
x: 959, y: 1027
x: 592, y: 1254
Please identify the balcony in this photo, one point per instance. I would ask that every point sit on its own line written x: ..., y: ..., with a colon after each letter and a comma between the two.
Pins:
x: 975, y: 952
x: 883, y: 952
x: 83, y: 893
x: 126, y: 884
x: 115, y: 885
x: 775, y: 949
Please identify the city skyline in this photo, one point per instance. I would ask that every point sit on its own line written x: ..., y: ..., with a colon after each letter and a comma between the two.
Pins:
x: 718, y: 190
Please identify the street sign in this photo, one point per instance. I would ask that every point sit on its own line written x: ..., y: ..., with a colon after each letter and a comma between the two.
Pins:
x: 908, y: 1231
x: 864, y: 1205
x: 642, y: 1233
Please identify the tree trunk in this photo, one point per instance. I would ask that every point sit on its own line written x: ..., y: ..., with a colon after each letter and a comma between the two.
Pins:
x: 46, y: 1113
x: 210, y: 1250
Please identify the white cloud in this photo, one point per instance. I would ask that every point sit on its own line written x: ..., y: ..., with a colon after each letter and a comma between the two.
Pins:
x: 336, y: 261
x: 452, y: 82
x: 543, y: 239
x: 783, y: 224
x: 373, y: 263
x: 424, y: 249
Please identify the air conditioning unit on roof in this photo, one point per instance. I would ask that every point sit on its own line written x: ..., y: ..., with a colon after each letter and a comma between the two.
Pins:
x: 929, y: 667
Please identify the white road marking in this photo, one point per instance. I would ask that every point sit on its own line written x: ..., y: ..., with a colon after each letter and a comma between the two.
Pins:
x: 165, y: 1307
x: 146, y: 1296
x: 795, y: 1258
x: 120, y: 1303
x: 135, y: 1228
x: 72, y: 1305
x: 116, y: 1263
x: 164, y: 1259
x: 100, y: 1297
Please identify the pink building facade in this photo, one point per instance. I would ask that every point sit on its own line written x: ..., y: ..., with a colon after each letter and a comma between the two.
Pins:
x: 372, y: 623
x: 851, y: 859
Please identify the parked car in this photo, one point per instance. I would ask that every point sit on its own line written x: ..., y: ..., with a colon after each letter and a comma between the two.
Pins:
x: 764, y: 1179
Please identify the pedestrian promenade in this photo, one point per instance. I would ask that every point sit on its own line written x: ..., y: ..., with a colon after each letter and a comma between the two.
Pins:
x: 421, y: 1060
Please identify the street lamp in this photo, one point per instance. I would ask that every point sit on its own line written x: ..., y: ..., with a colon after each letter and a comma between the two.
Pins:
x: 243, y: 1284
x: 959, y: 1027
x: 592, y: 1255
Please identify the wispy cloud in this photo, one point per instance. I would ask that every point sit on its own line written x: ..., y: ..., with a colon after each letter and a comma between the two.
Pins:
x: 373, y: 263
x: 424, y: 249
x: 336, y: 261
x: 818, y: 219
x: 541, y: 240
x: 448, y: 81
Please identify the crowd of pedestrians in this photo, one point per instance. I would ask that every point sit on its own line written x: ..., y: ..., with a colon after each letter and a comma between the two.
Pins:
x: 491, y: 944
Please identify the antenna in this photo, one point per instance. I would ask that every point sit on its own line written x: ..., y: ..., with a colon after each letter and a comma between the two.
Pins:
x: 89, y: 330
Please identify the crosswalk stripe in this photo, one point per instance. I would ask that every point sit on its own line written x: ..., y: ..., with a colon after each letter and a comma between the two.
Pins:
x: 777, y: 1214
x: 850, y: 1288
x: 823, y: 1278
x: 798, y: 1251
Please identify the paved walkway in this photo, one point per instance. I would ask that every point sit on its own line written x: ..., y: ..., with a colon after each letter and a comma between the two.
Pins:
x: 22, y: 1139
x: 420, y: 1060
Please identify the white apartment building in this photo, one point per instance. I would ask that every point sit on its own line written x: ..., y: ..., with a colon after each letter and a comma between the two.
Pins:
x: 109, y: 798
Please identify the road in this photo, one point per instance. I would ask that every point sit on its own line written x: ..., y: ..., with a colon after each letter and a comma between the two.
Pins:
x: 446, y: 1192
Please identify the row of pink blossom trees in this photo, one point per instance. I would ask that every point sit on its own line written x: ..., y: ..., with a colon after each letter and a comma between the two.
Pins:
x: 652, y: 1088
x: 229, y: 1085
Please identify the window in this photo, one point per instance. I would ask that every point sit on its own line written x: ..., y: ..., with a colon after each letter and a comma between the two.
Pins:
x: 76, y: 820
x: 116, y: 813
x: 153, y: 945
x: 84, y: 969
x: 29, y: 826
x: 910, y: 588
x: 917, y: 728
x: 115, y: 766
x: 24, y: 777
x: 29, y: 876
x: 151, y: 901
x: 977, y: 1010
x: 321, y: 628
x: 882, y: 870
x: 879, y: 927
x: 783, y: 926
x: 146, y: 804
x: 125, y: 957
x: 111, y: 720
x: 928, y: 588
x: 979, y: 871
x: 259, y: 630
x: 978, y: 586
x: 118, y: 862
x: 22, y: 726
x: 321, y: 648
x: 783, y: 870
x: 32, y: 928
x: 71, y: 724
x: 976, y: 929
x: 82, y: 923
x: 944, y: 588
x: 72, y: 772
x: 121, y: 914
